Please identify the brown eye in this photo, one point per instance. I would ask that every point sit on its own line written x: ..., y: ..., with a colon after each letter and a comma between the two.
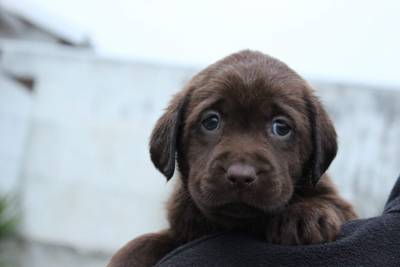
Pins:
x: 211, y: 121
x: 281, y: 128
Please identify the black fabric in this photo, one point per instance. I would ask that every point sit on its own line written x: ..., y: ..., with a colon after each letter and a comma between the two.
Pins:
x: 367, y: 242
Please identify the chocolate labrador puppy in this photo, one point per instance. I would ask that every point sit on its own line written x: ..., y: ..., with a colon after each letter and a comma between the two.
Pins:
x: 252, y: 144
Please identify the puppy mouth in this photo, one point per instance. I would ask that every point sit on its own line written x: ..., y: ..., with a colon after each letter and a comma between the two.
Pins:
x: 219, y: 203
x: 239, y: 210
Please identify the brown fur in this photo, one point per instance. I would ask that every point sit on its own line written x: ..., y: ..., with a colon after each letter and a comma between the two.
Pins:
x: 288, y: 199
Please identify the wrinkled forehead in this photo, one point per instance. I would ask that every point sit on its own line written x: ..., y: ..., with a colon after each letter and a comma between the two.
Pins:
x: 250, y: 92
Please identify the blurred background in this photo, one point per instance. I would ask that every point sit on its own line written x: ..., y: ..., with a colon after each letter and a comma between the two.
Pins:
x: 82, y: 83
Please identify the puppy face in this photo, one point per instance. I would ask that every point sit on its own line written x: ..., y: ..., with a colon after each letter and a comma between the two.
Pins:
x: 247, y: 132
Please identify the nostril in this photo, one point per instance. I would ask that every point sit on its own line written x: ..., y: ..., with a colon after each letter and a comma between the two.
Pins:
x: 249, y: 180
x: 232, y: 179
x: 240, y: 180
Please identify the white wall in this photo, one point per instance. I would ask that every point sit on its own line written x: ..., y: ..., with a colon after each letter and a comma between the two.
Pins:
x: 15, y: 117
x: 87, y: 174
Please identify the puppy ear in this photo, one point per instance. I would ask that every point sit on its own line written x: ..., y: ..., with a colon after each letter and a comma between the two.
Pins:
x: 164, y: 138
x: 323, y: 140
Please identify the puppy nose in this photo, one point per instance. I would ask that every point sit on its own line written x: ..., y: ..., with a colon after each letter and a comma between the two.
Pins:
x: 241, y: 175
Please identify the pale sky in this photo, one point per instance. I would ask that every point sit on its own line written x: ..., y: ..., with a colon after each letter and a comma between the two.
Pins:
x: 340, y: 40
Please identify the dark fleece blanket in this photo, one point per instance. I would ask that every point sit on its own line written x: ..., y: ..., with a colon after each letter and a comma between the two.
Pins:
x: 367, y: 242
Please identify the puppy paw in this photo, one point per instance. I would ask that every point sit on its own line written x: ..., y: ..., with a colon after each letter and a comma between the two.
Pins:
x: 302, y: 223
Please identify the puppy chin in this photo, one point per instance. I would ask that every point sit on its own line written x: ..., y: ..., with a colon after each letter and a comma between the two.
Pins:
x: 238, y: 215
x: 219, y: 207
x: 238, y: 210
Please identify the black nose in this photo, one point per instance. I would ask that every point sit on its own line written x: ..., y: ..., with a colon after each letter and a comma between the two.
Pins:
x: 241, y: 175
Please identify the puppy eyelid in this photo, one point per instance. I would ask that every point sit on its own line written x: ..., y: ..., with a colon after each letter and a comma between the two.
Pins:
x: 284, y: 118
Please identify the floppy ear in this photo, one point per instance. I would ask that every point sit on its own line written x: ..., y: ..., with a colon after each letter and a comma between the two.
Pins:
x: 164, y: 138
x: 324, y: 141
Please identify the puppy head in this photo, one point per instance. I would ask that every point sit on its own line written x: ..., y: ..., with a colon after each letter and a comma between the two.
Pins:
x: 246, y: 131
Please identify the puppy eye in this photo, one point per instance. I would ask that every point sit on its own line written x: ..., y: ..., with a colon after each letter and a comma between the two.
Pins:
x: 211, y: 122
x: 280, y: 128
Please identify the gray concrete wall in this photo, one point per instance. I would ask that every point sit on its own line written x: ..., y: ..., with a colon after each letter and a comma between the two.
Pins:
x: 368, y: 124
x: 77, y: 147
x: 15, y: 116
